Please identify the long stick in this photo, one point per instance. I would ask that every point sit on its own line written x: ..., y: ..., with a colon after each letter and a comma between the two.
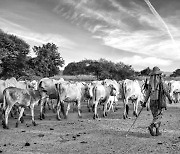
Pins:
x: 134, y: 121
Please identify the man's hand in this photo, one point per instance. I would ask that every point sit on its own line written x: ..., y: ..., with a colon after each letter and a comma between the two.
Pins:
x: 170, y: 101
x: 143, y: 104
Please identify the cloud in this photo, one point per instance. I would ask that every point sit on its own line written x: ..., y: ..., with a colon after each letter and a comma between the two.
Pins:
x: 35, y: 37
x: 146, y: 61
x: 145, y: 42
x: 126, y: 26
x: 5, y: 22
x: 48, y: 38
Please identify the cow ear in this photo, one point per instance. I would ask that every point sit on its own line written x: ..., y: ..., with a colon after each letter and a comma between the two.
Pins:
x: 44, y: 90
x: 56, y: 85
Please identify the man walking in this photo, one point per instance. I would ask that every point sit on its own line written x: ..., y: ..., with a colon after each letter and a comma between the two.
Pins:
x: 157, y: 91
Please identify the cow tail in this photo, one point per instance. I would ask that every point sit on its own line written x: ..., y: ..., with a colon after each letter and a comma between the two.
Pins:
x: 63, y: 108
x: 40, y: 84
x: 123, y: 90
x: 95, y: 93
x: 58, y: 88
x: 4, y: 102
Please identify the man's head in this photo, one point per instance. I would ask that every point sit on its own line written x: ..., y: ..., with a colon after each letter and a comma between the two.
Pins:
x: 156, y: 71
x: 155, y: 77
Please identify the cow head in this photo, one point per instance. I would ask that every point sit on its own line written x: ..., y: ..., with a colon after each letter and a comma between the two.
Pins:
x: 87, y: 91
x: 172, y: 91
x: 112, y: 90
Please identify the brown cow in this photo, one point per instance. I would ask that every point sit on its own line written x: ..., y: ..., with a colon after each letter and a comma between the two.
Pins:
x: 48, y: 85
x: 22, y: 98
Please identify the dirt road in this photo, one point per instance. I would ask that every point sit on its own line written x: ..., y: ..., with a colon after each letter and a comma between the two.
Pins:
x: 88, y: 136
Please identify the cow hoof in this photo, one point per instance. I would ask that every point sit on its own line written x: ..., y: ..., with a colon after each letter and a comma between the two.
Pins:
x: 3, y: 122
x: 5, y: 127
x: 40, y: 117
x: 115, y: 109
x: 134, y: 113
x: 124, y: 117
x: 65, y: 116
x: 43, y: 116
x: 94, y: 117
x: 80, y: 116
x: 54, y: 111
x: 97, y: 116
x: 105, y: 114
x: 22, y: 120
x: 58, y: 118
x: 34, y: 124
x: 17, y: 124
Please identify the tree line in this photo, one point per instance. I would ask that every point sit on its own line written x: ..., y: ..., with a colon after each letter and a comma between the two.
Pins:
x: 101, y: 68
x: 15, y: 61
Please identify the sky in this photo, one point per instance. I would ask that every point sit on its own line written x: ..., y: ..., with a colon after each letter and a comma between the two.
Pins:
x: 118, y: 30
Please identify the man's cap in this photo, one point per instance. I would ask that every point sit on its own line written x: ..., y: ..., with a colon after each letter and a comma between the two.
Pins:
x: 156, y: 71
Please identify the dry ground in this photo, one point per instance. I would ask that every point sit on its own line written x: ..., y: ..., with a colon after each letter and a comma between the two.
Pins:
x: 88, y: 136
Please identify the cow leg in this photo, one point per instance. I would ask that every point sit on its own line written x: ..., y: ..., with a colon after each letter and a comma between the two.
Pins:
x: 111, y: 106
x: 41, y: 110
x: 68, y: 108
x: 79, y: 109
x: 135, y: 103
x: 32, y: 114
x: 50, y: 104
x: 148, y: 106
x: 5, y: 123
x: 125, y: 110
x: 88, y: 105
x: 20, y: 115
x: 63, y: 109
x: 58, y: 117
x: 105, y: 109
x: 136, y: 110
x: 12, y: 115
x: 108, y: 105
x: 54, y: 108
x: 95, y: 110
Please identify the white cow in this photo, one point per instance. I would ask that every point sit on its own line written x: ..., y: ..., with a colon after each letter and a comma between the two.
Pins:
x: 101, y: 94
x: 70, y: 93
x: 131, y: 91
x: 113, y: 99
x: 174, y: 88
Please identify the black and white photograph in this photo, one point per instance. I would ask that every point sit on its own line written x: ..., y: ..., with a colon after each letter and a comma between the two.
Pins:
x: 89, y: 76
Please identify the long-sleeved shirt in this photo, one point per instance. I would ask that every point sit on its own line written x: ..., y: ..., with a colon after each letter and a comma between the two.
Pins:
x: 163, y: 93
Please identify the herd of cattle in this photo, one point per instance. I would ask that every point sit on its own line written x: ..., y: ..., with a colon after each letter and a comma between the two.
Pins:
x: 18, y: 95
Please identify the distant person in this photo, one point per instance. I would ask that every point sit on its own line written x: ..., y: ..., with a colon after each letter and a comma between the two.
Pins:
x: 157, y: 91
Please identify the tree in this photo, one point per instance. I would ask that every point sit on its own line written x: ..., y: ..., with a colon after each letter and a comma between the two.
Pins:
x: 13, y: 53
x: 146, y: 71
x: 71, y: 69
x: 48, y: 60
x: 102, y: 69
x: 175, y: 73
